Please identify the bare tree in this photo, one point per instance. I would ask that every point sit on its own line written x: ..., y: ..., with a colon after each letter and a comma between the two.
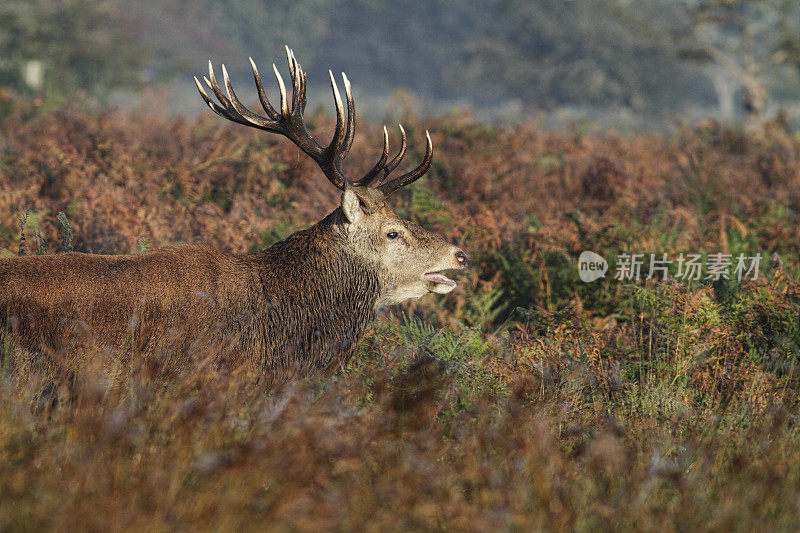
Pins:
x: 751, y: 42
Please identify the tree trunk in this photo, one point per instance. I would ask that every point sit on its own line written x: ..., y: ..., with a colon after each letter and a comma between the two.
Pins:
x: 755, y: 103
x: 725, y: 87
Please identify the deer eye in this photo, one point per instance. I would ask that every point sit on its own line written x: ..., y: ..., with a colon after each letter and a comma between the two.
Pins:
x: 392, y: 235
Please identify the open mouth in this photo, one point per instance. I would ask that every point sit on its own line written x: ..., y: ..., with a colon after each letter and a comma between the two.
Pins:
x: 439, y: 283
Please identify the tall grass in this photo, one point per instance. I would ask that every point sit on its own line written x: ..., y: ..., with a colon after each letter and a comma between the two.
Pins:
x: 526, y: 399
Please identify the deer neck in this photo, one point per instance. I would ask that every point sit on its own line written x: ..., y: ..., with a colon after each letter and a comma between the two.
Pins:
x: 319, y: 294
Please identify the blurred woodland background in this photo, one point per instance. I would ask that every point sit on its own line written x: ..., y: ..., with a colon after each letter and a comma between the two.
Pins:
x: 619, y: 62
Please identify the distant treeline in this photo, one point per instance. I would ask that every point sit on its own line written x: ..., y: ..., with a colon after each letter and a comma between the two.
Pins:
x: 532, y: 54
x: 544, y: 53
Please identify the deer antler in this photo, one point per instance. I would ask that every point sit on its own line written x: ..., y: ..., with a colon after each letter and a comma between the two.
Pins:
x: 289, y: 123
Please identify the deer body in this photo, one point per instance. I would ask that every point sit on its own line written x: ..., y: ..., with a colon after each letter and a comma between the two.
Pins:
x: 300, y: 305
x: 305, y: 301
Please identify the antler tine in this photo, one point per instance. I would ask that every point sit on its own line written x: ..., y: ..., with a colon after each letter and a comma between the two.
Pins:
x: 391, y: 186
x: 382, y: 170
x: 262, y: 94
x: 212, y: 83
x: 302, y: 91
x: 220, y: 110
x: 400, y: 154
x: 242, y: 111
x: 230, y: 107
x: 338, y: 135
x: 289, y: 59
x: 214, y: 107
x: 351, y: 117
x: 282, y: 87
x: 370, y: 176
x: 296, y: 73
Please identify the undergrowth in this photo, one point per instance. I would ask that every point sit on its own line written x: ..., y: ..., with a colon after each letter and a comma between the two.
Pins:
x: 526, y: 399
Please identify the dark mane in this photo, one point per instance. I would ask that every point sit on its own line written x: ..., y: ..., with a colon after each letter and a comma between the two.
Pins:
x: 319, y: 298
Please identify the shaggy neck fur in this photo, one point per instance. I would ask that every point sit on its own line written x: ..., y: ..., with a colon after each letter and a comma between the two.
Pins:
x: 319, y: 298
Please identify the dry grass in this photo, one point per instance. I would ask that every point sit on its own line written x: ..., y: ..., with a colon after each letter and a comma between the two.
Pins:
x: 525, y: 400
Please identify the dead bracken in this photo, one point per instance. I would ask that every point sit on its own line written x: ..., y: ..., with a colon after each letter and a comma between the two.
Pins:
x: 526, y: 399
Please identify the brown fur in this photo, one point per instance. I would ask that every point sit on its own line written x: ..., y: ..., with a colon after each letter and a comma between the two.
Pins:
x: 300, y: 305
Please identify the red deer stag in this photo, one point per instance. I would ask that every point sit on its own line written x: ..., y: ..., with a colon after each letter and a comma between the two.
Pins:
x: 300, y: 305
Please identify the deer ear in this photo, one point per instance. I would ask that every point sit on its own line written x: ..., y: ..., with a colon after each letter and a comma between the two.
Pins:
x: 351, y: 206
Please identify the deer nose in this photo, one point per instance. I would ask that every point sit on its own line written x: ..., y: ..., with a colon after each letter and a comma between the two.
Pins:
x: 462, y: 258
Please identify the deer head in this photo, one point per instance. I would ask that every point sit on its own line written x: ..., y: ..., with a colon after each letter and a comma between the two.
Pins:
x: 410, y: 258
